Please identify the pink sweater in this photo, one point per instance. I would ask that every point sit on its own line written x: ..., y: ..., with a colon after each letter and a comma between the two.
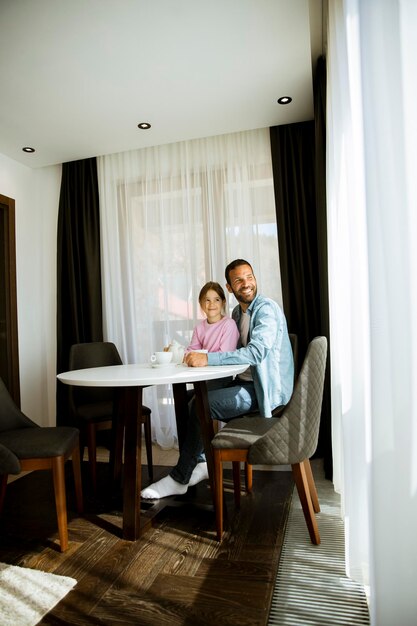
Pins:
x: 222, y: 336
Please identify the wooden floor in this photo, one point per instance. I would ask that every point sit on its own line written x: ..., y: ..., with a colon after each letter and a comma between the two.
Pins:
x: 176, y: 574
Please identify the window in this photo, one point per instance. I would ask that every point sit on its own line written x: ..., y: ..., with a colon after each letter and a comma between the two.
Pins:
x: 172, y: 218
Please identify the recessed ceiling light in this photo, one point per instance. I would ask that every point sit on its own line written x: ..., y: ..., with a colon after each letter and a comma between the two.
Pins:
x: 28, y: 149
x: 144, y: 125
x: 284, y: 100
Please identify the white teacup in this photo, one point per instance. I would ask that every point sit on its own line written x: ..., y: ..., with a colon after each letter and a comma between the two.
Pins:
x: 161, y: 358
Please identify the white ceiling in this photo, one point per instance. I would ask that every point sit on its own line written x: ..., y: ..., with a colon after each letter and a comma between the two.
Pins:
x: 77, y: 76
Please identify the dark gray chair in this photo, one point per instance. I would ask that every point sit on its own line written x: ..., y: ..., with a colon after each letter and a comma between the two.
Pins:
x: 9, y: 463
x: 290, y: 439
x: 25, y: 446
x: 93, y: 408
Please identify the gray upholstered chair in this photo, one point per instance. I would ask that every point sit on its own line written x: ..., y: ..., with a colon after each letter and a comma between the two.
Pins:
x: 92, y: 408
x: 290, y: 439
x: 25, y: 446
x: 276, y: 412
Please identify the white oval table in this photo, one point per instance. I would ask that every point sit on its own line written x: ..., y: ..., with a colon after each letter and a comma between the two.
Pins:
x: 131, y: 379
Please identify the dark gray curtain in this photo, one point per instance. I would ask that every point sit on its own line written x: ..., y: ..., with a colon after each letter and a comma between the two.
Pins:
x: 298, y: 160
x: 79, y: 305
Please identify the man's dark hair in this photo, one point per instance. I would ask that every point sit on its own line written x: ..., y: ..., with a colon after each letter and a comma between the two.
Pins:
x: 233, y: 265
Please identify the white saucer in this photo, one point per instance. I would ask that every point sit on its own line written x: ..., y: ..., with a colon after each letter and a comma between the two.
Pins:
x: 157, y: 365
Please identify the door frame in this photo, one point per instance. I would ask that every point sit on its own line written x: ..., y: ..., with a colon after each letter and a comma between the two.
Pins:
x: 9, y: 370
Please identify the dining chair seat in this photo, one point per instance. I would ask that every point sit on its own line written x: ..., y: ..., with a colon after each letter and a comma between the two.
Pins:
x: 44, y: 442
x: 25, y: 446
x: 94, y: 410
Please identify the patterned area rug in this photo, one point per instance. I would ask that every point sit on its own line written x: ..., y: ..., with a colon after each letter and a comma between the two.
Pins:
x: 26, y: 595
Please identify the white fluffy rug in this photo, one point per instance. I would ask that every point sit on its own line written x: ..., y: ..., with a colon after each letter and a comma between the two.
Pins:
x: 26, y: 595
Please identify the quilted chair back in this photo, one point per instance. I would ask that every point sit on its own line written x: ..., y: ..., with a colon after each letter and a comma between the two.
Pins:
x: 86, y: 355
x: 294, y: 435
x: 294, y: 346
x: 11, y: 417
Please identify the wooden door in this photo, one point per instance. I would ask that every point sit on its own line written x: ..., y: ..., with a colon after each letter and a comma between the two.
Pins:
x: 9, y: 348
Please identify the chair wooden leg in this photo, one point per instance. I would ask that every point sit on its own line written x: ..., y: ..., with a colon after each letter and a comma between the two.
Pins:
x: 218, y: 489
x: 312, y: 486
x: 148, y: 444
x: 3, y: 485
x: 60, y: 500
x: 236, y: 482
x: 76, y: 468
x: 92, y: 454
x: 301, y: 481
x: 248, y: 477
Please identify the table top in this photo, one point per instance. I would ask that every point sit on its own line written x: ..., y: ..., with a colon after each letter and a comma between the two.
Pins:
x: 144, y: 374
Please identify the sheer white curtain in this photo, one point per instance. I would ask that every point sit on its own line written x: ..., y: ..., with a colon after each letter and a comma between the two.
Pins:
x: 172, y: 217
x: 348, y: 285
x: 372, y: 208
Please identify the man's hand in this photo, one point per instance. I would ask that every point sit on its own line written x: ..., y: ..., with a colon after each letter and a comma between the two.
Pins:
x: 196, y: 359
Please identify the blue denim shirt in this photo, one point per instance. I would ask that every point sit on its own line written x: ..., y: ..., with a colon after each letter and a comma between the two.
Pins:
x: 268, y: 352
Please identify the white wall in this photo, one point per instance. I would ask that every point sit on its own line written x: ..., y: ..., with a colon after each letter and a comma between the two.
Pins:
x: 36, y: 195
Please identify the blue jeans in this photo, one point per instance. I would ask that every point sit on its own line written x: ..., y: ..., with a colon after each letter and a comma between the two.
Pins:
x: 227, y: 402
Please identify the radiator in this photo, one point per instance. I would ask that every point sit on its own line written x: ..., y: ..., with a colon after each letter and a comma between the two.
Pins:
x: 311, y: 585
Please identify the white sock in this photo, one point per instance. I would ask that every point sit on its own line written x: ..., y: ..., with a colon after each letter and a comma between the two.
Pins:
x: 162, y: 488
x: 200, y: 473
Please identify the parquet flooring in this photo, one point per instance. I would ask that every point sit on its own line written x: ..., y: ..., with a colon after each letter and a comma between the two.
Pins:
x: 175, y: 574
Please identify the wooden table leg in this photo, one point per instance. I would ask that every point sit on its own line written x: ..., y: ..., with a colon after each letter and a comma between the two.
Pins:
x: 118, y: 428
x: 132, y: 478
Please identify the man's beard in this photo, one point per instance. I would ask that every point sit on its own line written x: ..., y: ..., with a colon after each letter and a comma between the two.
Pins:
x: 245, y: 299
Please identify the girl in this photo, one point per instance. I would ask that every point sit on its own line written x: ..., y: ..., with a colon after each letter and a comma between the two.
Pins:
x: 217, y: 333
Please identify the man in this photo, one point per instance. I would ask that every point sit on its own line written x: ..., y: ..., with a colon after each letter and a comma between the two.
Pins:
x: 266, y: 384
